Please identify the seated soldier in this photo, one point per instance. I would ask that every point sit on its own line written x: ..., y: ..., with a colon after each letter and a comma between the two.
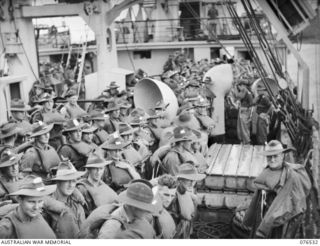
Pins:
x: 125, y: 107
x: 10, y: 176
x: 94, y: 190
x: 119, y: 172
x: 70, y: 198
x: 41, y: 158
x: 137, y: 203
x: 26, y: 221
x: 279, y: 203
x: 98, y: 119
x: 75, y: 150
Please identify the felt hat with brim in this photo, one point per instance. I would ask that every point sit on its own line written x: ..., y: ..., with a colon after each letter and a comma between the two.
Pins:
x: 169, y: 74
x: 185, y: 120
x: 71, y: 93
x: 86, y: 128
x: 188, y: 171
x: 274, y: 147
x: 45, y: 97
x: 39, y: 85
x: 112, y: 106
x: 137, y: 121
x: 32, y: 185
x: 9, y: 158
x: 17, y: 105
x: 115, y: 143
x: 125, y: 129
x: 125, y: 104
x: 139, y: 195
x: 192, y: 83
x: 97, y: 115
x: 95, y: 161
x: 181, y: 134
x: 40, y: 129
x: 71, y: 125
x: 201, y: 103
x: 155, y: 116
x: 185, y: 107
x: 113, y: 85
x: 9, y: 129
x: 66, y: 171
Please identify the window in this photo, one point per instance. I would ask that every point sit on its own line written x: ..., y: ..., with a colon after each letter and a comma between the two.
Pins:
x: 142, y: 54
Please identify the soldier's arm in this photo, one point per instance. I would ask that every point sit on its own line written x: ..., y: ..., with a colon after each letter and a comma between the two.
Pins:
x: 28, y: 159
x: 65, y: 151
x: 171, y: 162
x: 6, y: 229
x: 109, y: 229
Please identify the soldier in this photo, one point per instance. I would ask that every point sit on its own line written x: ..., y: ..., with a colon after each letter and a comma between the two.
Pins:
x: 113, y: 122
x: 18, y: 111
x: 138, y: 204
x: 98, y: 121
x: 278, y: 205
x: 180, y: 151
x: 71, y: 109
x: 8, y: 136
x: 125, y: 106
x: 94, y: 190
x: 41, y: 157
x: 112, y: 89
x: 67, y: 194
x: 75, y: 150
x: 9, y: 169
x: 118, y: 172
x: 87, y: 134
x: 34, y: 94
x: 26, y: 221
x: 47, y: 114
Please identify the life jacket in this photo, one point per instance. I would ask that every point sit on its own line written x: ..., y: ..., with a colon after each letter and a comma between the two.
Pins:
x: 77, y: 153
x: 49, y: 158
x: 10, y: 187
x: 101, y: 195
x: 165, y: 224
x: 119, y: 176
x: 102, y: 136
x: 52, y: 117
x: 37, y: 228
x: 131, y: 155
x: 74, y: 111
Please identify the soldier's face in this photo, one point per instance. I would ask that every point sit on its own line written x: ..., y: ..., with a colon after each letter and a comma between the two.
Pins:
x: 87, y: 137
x: 31, y: 206
x: 127, y: 137
x: 275, y: 161
x: 73, y: 100
x: 167, y: 195
x: 75, y: 136
x: 39, y: 91
x: 95, y: 173
x: 48, y: 105
x: 44, y: 138
x: 12, y: 171
x: 115, y: 113
x: 66, y: 188
x: 123, y: 111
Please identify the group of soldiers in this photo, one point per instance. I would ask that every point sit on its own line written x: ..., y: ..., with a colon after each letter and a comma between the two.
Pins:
x: 111, y: 171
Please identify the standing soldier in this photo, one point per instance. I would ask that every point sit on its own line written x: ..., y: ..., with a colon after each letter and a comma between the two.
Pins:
x: 112, y: 89
x: 87, y: 135
x: 71, y: 110
x: 94, y: 190
x: 75, y: 150
x: 119, y: 172
x: 41, y: 157
x: 8, y: 136
x: 67, y: 193
x: 26, y: 221
x: 125, y: 106
x: 18, y: 111
x: 180, y: 151
x: 9, y: 170
x: 112, y: 124
x: 98, y: 121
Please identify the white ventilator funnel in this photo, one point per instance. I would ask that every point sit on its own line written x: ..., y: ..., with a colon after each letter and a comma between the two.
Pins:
x: 148, y: 92
x: 222, y: 78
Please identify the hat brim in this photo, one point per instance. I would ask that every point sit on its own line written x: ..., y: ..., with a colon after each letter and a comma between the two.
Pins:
x: 131, y: 131
x: 49, y: 189
x: 72, y: 176
x: 11, y: 163
x: 98, y: 165
x: 98, y: 118
x: 24, y: 109
x: 114, y: 146
x: 111, y: 109
x: 72, y: 129
x: 92, y: 129
x: 45, y: 130
x: 276, y: 152
x: 194, y: 177
x: 9, y: 134
x: 174, y: 140
x: 150, y: 207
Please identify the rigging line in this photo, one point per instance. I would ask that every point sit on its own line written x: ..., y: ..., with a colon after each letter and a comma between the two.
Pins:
x: 197, y: 17
x: 253, y: 23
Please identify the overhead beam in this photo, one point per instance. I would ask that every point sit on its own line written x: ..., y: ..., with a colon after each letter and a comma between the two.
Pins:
x: 52, y: 10
x: 117, y: 9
